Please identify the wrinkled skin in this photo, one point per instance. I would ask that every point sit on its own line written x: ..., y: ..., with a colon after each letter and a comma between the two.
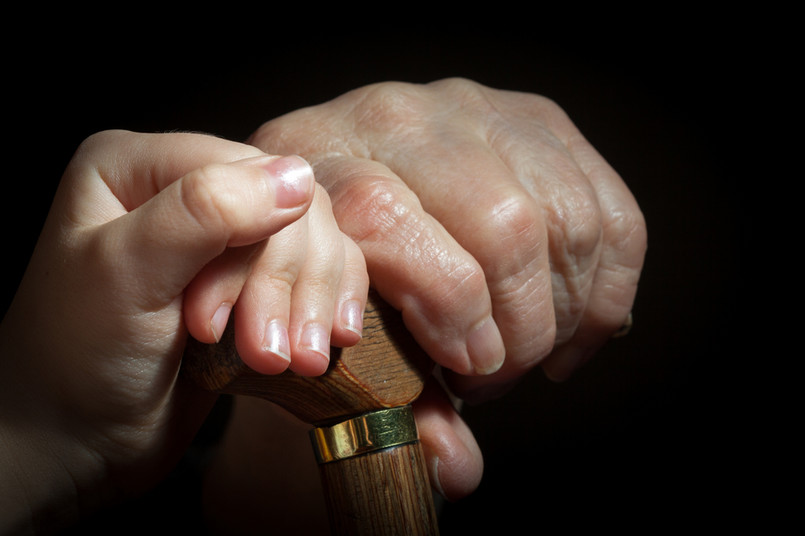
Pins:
x: 469, y: 204
x: 484, y: 216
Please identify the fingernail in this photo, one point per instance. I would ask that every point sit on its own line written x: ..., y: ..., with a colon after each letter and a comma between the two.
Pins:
x: 276, y: 340
x: 485, y: 347
x: 292, y: 180
x: 352, y: 316
x: 434, y: 477
x: 219, y: 320
x: 317, y: 339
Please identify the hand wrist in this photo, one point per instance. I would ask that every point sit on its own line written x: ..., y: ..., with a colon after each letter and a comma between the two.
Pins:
x: 47, y: 481
x: 37, y: 496
x: 44, y: 470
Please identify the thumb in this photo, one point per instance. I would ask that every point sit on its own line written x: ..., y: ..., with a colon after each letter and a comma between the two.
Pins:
x: 168, y: 239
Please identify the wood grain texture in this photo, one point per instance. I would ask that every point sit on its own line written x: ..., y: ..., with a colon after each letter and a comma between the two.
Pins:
x: 386, y: 369
x: 382, y: 494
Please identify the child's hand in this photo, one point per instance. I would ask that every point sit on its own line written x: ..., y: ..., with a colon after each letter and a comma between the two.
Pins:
x: 307, y: 283
x: 92, y: 406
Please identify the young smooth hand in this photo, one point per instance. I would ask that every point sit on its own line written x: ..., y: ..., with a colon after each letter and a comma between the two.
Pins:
x: 151, y: 238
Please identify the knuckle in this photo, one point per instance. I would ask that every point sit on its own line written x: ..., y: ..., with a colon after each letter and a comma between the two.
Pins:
x: 549, y: 110
x: 391, y: 105
x: 271, y: 137
x: 577, y: 219
x: 511, y: 227
x: 627, y: 232
x: 208, y: 201
x: 376, y: 208
x: 465, y: 93
x: 279, y: 264
x: 276, y: 272
x: 87, y: 153
x: 384, y: 218
x: 281, y: 280
x: 577, y: 237
x: 102, y: 139
x: 91, y: 144
x: 627, y: 240
x: 512, y: 216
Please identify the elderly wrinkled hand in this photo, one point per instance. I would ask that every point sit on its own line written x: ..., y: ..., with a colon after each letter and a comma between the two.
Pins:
x: 485, y: 216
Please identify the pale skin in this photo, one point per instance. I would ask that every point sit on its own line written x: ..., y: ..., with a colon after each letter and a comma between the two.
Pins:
x: 525, y: 222
x: 148, y: 235
x: 529, y: 226
x: 533, y: 260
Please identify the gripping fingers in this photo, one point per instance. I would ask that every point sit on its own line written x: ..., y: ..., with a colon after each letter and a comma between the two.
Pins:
x: 263, y: 310
x: 231, y: 208
x: 416, y: 265
x: 454, y: 460
x: 211, y: 296
x: 196, y: 218
x: 614, y: 285
x: 164, y: 205
x: 331, y: 291
x: 306, y: 291
x: 349, y: 307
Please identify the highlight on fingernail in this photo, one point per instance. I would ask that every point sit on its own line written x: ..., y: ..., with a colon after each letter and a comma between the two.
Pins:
x: 485, y: 347
x: 434, y: 477
x: 316, y: 338
x: 219, y: 320
x: 292, y: 181
x: 276, y: 340
x: 352, y: 316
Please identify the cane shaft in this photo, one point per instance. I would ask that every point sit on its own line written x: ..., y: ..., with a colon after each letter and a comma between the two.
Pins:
x: 383, y: 493
x: 380, y: 486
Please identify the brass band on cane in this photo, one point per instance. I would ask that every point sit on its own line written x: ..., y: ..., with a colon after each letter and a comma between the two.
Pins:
x: 365, y: 433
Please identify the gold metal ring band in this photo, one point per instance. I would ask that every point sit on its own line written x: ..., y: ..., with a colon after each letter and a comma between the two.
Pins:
x: 365, y: 433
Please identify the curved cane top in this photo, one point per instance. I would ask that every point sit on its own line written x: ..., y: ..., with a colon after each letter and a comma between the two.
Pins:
x: 385, y: 369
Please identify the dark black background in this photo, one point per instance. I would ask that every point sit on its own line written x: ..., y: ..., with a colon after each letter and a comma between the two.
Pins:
x: 650, y: 434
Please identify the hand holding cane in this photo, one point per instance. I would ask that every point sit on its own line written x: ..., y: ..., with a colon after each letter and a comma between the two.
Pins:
x: 364, y: 436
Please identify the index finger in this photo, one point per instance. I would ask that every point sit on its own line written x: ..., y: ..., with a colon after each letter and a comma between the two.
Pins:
x: 415, y: 264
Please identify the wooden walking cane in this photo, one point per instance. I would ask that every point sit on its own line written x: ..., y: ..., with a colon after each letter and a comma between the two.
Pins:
x: 364, y: 436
